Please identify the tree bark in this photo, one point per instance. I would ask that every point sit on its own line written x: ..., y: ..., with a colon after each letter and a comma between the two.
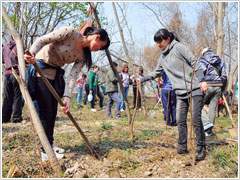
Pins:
x: 37, y: 123
x: 230, y: 76
x: 220, y: 34
x: 229, y: 39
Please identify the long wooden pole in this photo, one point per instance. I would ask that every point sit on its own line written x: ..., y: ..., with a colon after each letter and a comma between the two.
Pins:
x: 134, y: 114
x: 229, y: 112
x: 37, y: 123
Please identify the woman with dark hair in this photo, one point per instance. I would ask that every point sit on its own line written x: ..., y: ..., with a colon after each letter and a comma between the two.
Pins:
x: 125, y: 82
x: 51, y: 51
x: 178, y: 63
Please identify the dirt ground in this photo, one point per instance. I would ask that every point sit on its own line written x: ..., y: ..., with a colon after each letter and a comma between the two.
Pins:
x: 152, y: 154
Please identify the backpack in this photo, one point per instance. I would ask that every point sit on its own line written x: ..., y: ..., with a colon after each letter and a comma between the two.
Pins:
x: 219, y: 72
x: 82, y: 28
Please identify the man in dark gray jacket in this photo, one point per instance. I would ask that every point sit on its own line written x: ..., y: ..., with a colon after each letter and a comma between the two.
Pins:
x: 112, y: 92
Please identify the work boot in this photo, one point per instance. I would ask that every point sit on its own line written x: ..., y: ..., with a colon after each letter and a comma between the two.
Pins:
x: 200, y: 154
x: 182, y: 151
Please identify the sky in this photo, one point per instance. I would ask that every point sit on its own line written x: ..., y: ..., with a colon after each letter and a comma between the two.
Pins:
x: 143, y: 25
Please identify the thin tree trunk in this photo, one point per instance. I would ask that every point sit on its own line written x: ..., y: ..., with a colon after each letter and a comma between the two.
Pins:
x: 112, y: 66
x: 229, y: 39
x: 38, y: 126
x: 130, y: 61
x: 230, y: 76
x: 134, y: 114
x: 220, y: 34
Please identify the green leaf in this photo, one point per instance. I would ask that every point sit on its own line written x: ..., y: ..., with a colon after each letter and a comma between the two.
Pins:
x: 190, y: 74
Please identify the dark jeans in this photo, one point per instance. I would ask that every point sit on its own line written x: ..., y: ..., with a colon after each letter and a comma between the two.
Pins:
x: 87, y: 93
x: 13, y: 100
x: 96, y: 91
x: 47, y: 108
x: 169, y: 106
x: 135, y: 98
x: 182, y: 110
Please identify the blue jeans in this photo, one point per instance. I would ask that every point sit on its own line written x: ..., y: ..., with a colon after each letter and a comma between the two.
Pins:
x: 113, y: 97
x: 79, y: 96
x: 122, y: 106
x: 169, y: 106
x: 104, y: 90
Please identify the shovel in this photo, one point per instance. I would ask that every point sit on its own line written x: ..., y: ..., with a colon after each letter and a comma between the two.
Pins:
x: 152, y: 112
x: 232, y: 131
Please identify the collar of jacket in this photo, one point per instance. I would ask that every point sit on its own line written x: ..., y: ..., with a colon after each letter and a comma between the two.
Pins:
x: 168, y: 48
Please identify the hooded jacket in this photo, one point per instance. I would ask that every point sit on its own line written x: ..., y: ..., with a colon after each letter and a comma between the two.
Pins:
x: 177, y: 62
x: 213, y: 69
x: 9, y: 55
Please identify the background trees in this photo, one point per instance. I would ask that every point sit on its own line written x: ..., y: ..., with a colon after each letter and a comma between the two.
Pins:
x: 215, y: 25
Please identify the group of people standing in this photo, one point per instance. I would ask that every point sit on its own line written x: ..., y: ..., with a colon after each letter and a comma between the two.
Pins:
x: 92, y: 86
x: 67, y: 45
x: 112, y: 89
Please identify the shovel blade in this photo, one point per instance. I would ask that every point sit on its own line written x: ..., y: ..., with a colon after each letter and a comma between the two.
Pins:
x: 233, y: 133
x: 152, y: 114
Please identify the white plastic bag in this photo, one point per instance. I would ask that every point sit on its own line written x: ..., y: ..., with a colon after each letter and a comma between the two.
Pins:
x: 90, y: 97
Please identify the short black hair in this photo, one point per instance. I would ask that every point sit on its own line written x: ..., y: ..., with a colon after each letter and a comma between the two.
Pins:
x: 115, y: 64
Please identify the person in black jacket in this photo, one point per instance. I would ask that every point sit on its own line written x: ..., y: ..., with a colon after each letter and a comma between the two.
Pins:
x: 13, y: 100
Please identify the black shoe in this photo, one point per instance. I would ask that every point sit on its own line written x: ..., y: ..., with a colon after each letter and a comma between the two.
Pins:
x: 16, y: 120
x: 182, y: 151
x: 173, y: 124
x: 200, y: 155
x: 5, y: 121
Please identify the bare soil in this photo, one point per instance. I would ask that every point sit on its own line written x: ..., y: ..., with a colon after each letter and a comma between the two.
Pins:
x: 152, y: 154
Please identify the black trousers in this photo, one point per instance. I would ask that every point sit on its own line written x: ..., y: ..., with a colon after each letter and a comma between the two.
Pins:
x: 135, y: 98
x: 13, y: 100
x: 47, y: 108
x: 96, y: 91
x: 87, y: 93
x: 181, y: 116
